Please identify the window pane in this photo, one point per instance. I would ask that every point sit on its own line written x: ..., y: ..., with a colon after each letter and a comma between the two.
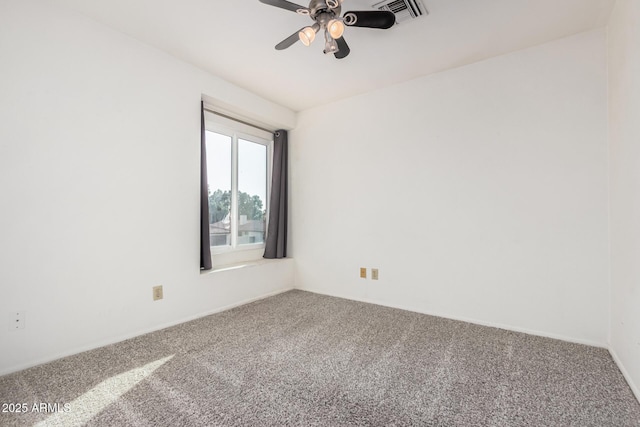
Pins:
x: 252, y: 192
x: 219, y: 179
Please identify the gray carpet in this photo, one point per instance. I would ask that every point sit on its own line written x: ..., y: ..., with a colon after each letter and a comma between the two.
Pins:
x: 302, y: 359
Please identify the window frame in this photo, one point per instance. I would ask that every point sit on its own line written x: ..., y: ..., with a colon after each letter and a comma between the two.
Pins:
x: 234, y: 252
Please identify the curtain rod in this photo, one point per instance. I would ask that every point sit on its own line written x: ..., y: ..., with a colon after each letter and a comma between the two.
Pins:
x: 217, y: 113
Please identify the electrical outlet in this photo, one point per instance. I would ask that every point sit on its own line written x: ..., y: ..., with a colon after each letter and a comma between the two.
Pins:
x: 17, y: 320
x: 374, y: 274
x: 363, y: 273
x: 157, y: 292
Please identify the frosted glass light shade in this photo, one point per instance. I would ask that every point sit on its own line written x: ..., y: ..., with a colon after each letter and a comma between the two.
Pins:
x: 307, y: 35
x: 335, y: 28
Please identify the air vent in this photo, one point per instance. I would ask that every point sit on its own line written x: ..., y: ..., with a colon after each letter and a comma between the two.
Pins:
x: 403, y: 9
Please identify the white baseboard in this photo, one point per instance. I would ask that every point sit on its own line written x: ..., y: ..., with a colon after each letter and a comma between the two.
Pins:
x: 625, y: 373
x: 125, y: 337
x: 469, y: 320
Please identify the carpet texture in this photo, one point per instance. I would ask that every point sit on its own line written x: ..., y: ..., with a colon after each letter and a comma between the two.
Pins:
x: 302, y: 359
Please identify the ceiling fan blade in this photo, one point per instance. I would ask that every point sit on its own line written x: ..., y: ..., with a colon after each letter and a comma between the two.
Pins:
x: 343, y: 48
x: 382, y: 19
x: 289, y: 40
x: 284, y: 4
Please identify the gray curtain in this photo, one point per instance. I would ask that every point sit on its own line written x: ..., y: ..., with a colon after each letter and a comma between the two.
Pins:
x: 205, y: 246
x: 276, y: 245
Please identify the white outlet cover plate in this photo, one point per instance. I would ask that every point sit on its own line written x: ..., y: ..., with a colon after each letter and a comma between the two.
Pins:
x: 17, y: 320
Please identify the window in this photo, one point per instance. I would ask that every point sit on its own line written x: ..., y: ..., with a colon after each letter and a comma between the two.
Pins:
x: 238, y: 172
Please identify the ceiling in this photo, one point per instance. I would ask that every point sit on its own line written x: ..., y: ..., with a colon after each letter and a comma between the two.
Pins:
x: 235, y: 39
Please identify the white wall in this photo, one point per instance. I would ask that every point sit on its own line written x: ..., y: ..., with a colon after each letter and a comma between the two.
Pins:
x: 624, y: 136
x: 99, y: 170
x: 480, y: 193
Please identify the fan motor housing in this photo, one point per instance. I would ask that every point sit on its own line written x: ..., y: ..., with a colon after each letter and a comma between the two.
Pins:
x: 317, y: 7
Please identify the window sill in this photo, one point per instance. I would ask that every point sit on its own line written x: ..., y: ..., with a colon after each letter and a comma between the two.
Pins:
x: 236, y: 256
x: 241, y: 265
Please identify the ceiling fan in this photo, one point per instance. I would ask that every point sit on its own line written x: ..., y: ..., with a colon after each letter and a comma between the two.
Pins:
x: 326, y: 16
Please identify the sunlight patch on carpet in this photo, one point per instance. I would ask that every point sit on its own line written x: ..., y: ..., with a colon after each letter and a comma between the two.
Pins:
x: 104, y: 394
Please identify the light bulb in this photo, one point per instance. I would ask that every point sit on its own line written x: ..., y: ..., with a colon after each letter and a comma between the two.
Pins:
x: 334, y: 3
x: 306, y: 35
x: 335, y: 28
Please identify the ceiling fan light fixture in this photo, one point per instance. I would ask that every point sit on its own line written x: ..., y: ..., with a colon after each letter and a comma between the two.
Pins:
x: 328, y: 17
x: 330, y: 45
x: 307, y: 35
x: 335, y: 27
